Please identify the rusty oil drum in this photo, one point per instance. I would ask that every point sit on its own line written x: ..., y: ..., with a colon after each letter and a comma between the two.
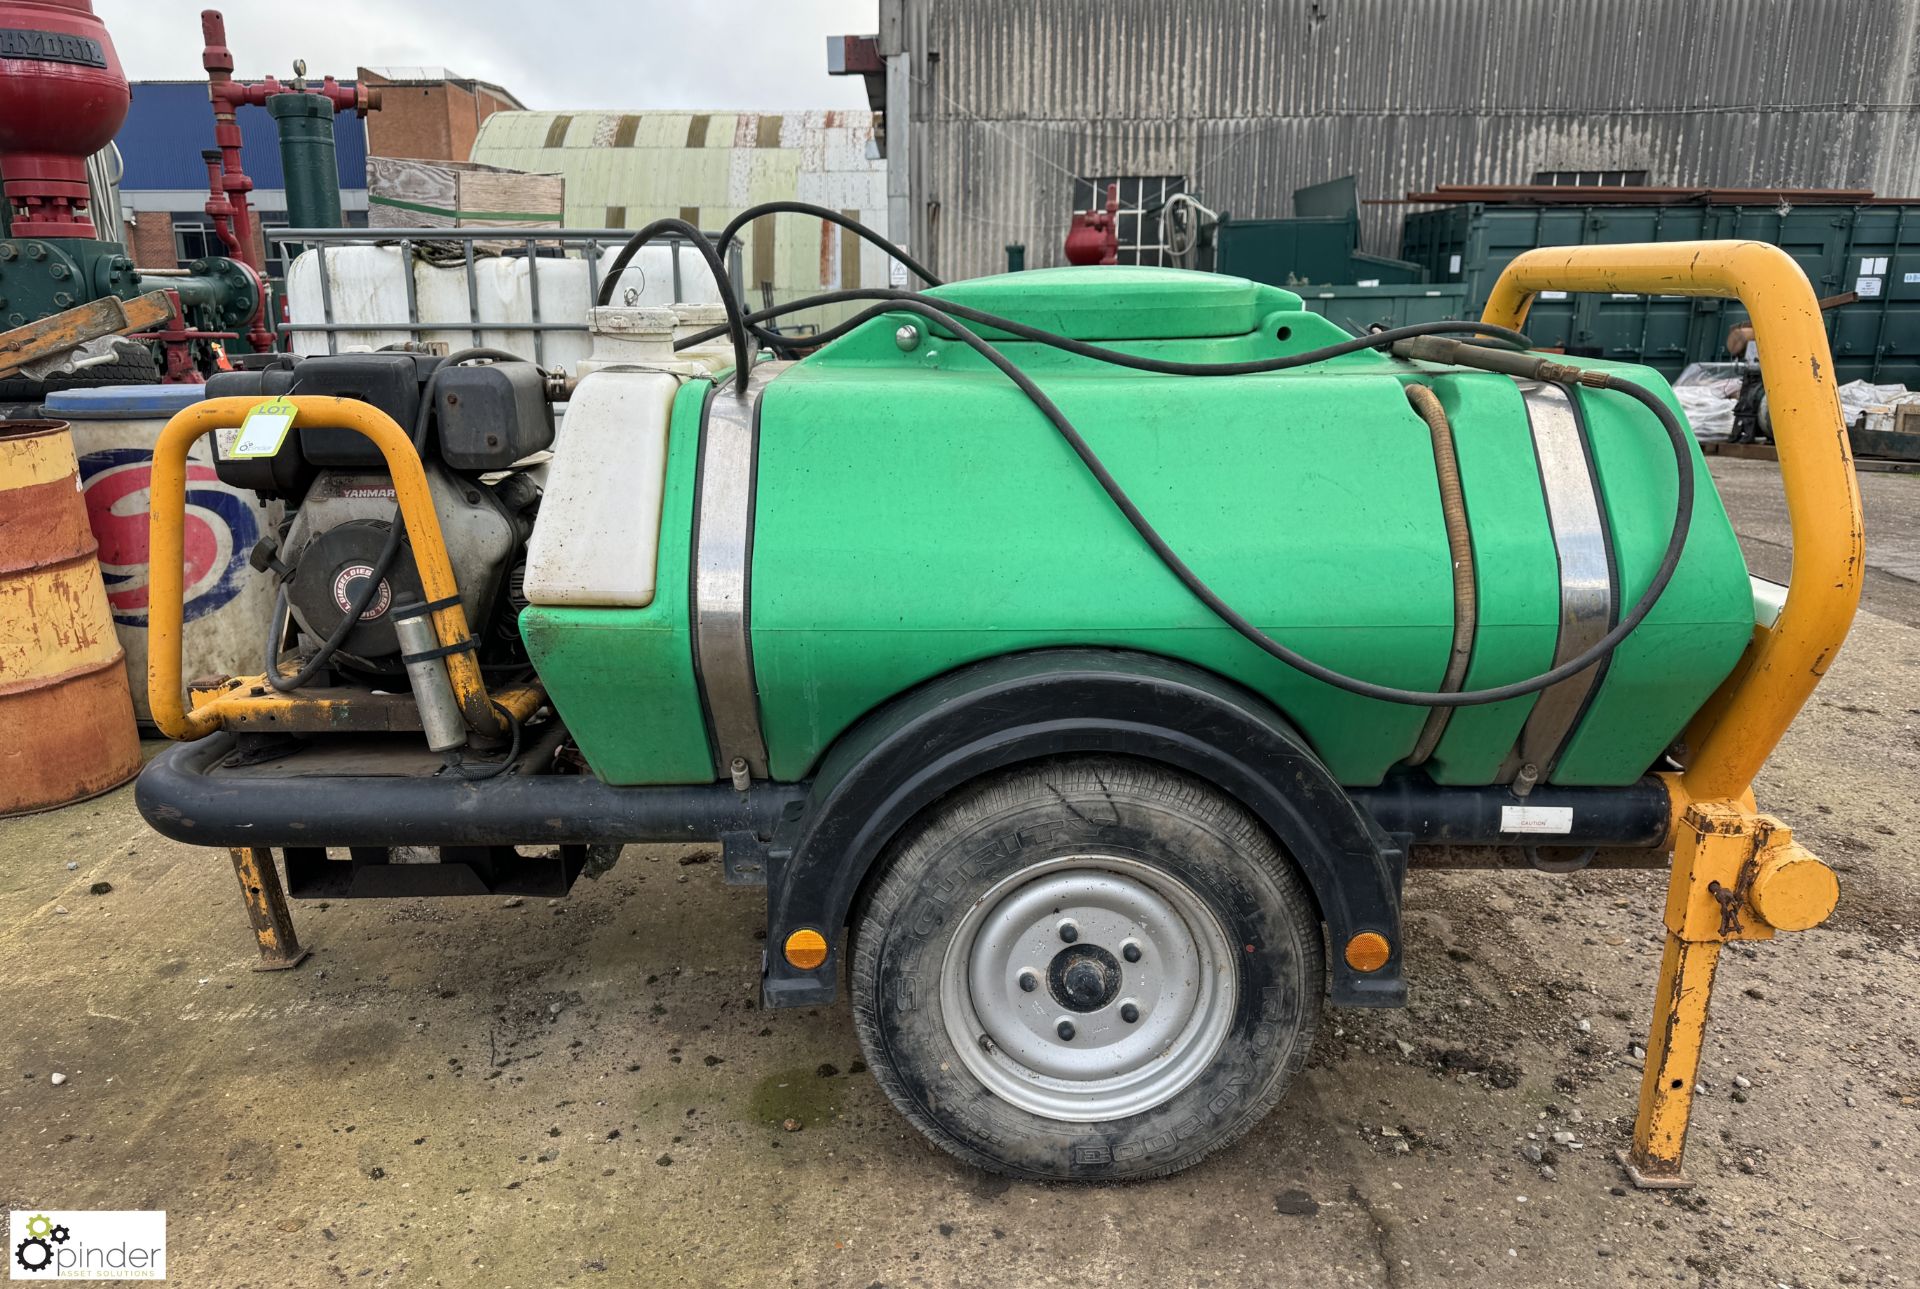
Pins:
x: 66, y: 716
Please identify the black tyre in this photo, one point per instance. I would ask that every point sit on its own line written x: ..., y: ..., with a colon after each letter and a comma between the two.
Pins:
x: 135, y: 366
x: 1086, y: 969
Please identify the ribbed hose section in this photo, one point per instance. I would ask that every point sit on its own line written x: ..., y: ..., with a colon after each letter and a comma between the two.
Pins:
x: 1453, y: 506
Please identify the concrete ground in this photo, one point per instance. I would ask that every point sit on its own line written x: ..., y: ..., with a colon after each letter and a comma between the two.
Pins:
x: 454, y: 1093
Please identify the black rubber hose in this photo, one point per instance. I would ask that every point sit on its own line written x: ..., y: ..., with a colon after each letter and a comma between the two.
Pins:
x: 892, y: 250
x: 389, y: 550
x: 1067, y: 343
x: 736, y: 325
x: 1683, y: 515
x: 1138, y: 362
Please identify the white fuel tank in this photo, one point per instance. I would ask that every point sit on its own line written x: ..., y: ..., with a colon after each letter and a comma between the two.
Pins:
x: 597, y: 541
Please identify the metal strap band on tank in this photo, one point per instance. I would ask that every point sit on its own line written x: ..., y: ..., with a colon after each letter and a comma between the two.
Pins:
x: 1587, y: 598
x: 722, y: 570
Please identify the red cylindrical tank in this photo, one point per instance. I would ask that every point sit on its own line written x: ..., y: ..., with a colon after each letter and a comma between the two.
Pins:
x: 62, y: 98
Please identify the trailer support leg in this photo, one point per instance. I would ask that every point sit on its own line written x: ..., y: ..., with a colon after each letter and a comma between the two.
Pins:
x: 267, y: 909
x: 1673, y: 1065
x: 1737, y: 875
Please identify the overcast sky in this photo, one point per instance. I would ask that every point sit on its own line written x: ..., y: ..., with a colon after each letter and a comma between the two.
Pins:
x: 765, y: 55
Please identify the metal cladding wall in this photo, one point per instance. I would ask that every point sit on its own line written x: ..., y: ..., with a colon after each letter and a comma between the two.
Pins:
x: 1009, y: 101
x: 169, y: 123
x: 625, y: 169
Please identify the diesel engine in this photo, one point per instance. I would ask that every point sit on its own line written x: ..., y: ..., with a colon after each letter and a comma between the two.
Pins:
x: 481, y: 430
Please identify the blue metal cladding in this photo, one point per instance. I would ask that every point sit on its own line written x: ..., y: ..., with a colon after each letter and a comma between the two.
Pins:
x: 170, y: 124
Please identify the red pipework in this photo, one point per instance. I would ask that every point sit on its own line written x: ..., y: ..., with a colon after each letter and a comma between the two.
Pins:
x: 231, y: 179
x: 230, y: 183
x: 62, y: 99
x: 1094, y: 237
x: 218, y: 208
x: 177, y: 341
x: 227, y: 181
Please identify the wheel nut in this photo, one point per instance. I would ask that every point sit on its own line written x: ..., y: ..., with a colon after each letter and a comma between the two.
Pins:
x: 1129, y: 1013
x: 1130, y: 951
x: 1028, y: 982
x: 1069, y: 932
x: 1065, y: 1031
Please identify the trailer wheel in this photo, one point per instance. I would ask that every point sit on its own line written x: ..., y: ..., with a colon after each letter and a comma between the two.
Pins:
x: 1086, y: 969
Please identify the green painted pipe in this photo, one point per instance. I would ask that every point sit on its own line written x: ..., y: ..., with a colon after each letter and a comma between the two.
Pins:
x: 306, y: 154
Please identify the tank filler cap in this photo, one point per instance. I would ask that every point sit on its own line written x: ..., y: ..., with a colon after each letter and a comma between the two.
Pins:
x: 626, y: 321
x: 630, y: 335
x: 691, y: 318
x: 701, y: 316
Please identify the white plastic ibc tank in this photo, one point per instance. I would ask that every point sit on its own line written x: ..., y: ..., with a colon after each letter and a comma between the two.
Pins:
x: 368, y: 286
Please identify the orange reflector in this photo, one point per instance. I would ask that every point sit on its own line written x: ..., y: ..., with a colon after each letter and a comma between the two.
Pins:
x: 808, y: 949
x: 1367, y: 951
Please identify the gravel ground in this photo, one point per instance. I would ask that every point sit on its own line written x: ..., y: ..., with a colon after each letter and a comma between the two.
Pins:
x: 532, y: 1094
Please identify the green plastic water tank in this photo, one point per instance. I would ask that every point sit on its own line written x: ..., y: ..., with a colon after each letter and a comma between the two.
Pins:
x: 914, y: 513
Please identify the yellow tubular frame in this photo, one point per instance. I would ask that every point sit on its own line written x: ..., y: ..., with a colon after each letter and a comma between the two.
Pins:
x: 1745, y: 720
x: 1723, y: 848
x: 166, y: 520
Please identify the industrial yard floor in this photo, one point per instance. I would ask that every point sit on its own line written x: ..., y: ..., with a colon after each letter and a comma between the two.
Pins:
x: 455, y: 1093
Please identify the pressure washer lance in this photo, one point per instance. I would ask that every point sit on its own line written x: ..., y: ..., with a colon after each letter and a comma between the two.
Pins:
x: 440, y: 716
x: 1463, y: 353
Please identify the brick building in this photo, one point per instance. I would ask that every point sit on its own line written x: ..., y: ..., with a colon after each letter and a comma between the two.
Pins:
x: 430, y: 113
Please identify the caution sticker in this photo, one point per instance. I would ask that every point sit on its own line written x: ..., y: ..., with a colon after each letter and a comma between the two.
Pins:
x: 1546, y: 819
x: 262, y: 433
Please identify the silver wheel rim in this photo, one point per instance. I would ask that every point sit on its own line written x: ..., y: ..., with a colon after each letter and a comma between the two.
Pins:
x: 1164, y: 1006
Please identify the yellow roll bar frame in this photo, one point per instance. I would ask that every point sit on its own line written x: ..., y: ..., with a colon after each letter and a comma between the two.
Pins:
x: 1736, y: 873
x: 1740, y: 726
x: 166, y: 519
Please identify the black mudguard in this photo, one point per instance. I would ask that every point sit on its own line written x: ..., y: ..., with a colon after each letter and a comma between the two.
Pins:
x: 1021, y: 707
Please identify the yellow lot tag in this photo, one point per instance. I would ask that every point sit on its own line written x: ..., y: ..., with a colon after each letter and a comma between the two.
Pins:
x: 262, y: 433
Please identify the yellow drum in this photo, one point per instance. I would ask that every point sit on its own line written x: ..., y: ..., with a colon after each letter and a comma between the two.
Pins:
x: 66, y: 717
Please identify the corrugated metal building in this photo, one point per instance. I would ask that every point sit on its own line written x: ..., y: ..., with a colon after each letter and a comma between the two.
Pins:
x: 999, y: 111
x: 625, y: 169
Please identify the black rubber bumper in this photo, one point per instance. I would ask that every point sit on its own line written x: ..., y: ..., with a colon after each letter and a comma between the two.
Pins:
x: 191, y: 794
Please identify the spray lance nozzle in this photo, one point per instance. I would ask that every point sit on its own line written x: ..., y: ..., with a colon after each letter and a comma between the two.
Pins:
x: 1463, y: 353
